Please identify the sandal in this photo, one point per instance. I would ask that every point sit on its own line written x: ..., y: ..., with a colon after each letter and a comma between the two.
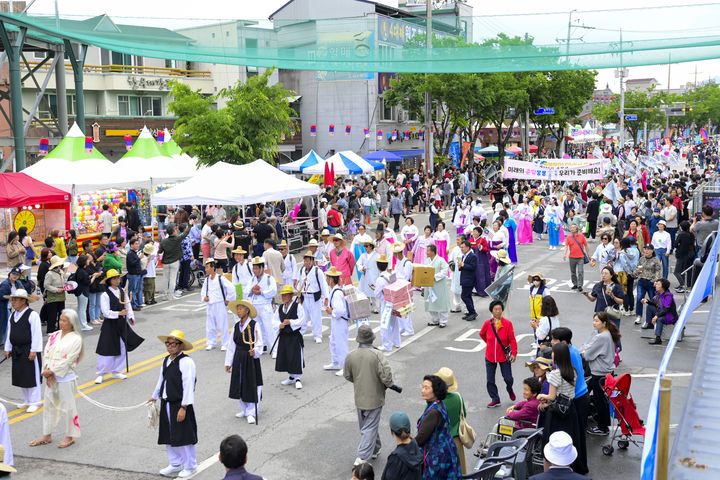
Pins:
x: 66, y: 444
x: 38, y: 442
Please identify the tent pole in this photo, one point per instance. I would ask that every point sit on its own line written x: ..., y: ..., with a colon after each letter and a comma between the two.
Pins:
x: 152, y: 225
x: 72, y: 207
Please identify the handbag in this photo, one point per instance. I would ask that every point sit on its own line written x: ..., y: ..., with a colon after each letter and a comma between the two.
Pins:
x: 586, y: 259
x: 612, y: 312
x: 507, y: 350
x: 561, y: 405
x: 466, y: 434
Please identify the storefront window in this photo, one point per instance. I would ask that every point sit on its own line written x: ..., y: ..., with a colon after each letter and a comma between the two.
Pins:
x: 129, y: 105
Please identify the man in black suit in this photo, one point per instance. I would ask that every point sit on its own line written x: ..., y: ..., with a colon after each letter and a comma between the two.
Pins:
x: 467, y: 265
x: 559, y: 454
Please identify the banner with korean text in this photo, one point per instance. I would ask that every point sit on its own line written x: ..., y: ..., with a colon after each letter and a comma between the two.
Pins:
x: 530, y: 171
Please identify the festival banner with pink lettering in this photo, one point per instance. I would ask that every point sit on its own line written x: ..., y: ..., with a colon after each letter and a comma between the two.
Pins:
x: 531, y: 171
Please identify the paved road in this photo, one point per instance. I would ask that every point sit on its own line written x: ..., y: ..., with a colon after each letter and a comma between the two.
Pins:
x: 313, y: 432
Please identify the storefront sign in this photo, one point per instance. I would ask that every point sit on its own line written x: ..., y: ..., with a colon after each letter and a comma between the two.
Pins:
x: 530, y: 171
x: 144, y: 83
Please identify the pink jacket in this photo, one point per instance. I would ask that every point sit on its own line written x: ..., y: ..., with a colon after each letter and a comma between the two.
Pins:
x: 527, y: 411
x: 345, y: 263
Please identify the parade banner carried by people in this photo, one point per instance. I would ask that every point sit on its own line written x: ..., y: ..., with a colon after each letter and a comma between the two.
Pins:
x: 530, y: 171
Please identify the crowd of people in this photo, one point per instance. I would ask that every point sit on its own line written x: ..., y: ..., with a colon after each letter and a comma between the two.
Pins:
x: 637, y: 232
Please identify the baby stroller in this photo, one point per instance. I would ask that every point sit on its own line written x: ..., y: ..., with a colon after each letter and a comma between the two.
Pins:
x: 625, y: 413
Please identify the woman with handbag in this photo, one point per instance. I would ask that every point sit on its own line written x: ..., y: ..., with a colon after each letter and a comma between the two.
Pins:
x: 558, y: 402
x: 499, y: 336
x: 461, y: 432
x: 608, y: 295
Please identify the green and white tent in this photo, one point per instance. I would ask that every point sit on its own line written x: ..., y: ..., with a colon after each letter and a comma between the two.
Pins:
x: 146, y: 157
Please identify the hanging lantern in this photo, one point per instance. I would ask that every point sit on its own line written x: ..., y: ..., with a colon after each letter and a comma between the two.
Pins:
x: 366, y: 132
x: 331, y: 130
x: 313, y: 130
x: 44, y: 147
x: 482, y: 133
x: 504, y: 132
x: 88, y: 144
x: 347, y: 130
x: 128, y: 142
x: 421, y: 134
x: 379, y: 135
x: 394, y: 135
x: 161, y: 137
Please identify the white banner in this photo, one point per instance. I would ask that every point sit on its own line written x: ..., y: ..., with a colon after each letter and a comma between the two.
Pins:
x: 564, y: 162
x: 530, y: 171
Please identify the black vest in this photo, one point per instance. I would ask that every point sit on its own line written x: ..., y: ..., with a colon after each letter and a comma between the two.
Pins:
x: 116, y: 304
x: 20, y: 332
x: 238, y: 335
x: 291, y: 314
x: 172, y: 384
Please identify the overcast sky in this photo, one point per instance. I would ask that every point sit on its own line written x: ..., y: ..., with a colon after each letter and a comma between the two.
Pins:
x: 551, y: 26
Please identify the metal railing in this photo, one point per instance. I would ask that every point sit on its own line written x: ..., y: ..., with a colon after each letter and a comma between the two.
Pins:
x: 134, y: 69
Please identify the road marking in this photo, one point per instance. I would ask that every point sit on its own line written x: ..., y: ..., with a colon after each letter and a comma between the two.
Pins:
x: 205, y: 464
x: 653, y: 375
x: 411, y: 339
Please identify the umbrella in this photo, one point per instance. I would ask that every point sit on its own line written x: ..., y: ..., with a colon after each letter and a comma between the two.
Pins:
x: 533, y: 148
x: 308, y: 160
x: 492, y: 151
x: 514, y: 149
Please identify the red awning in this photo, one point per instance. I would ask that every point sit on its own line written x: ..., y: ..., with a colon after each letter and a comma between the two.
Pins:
x: 533, y: 148
x: 18, y: 190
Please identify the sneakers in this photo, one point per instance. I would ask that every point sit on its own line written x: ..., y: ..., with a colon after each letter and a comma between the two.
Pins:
x: 331, y: 366
x: 657, y: 341
x: 359, y: 461
x: 287, y: 381
x: 318, y: 340
x: 120, y: 376
x: 647, y: 326
x: 240, y: 415
x: 470, y: 317
x: 87, y: 329
x: 512, y: 396
x: 375, y: 454
x: 185, y: 473
x: 339, y: 373
x: 251, y: 419
x: 171, y: 469
x: 493, y: 404
x: 638, y: 321
x: 209, y: 347
x: 33, y: 408
x: 99, y: 379
x: 223, y: 348
x: 597, y: 431
x: 298, y: 385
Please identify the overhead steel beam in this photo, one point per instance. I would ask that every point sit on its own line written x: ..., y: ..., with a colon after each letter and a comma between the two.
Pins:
x: 14, y: 52
x: 78, y: 64
x: 40, y: 93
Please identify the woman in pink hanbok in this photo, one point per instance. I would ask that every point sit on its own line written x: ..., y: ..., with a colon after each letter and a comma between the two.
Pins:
x: 441, y: 239
x: 409, y: 235
x: 523, y: 216
x: 420, y: 250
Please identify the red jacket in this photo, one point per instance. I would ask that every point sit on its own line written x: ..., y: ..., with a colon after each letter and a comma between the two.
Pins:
x: 494, y: 352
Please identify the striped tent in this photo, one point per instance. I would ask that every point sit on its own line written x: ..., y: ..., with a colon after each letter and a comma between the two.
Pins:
x: 308, y: 160
x: 345, y: 163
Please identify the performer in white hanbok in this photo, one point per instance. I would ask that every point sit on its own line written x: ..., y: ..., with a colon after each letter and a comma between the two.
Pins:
x: 23, y: 342
x: 175, y: 389
x: 242, y: 360
x: 477, y: 210
x: 370, y: 272
x: 455, y: 287
x: 322, y: 256
x: 462, y: 218
x: 311, y: 284
x: 403, y: 271
x: 261, y: 292
x: 216, y: 293
x: 290, y: 264
x: 241, y: 270
x: 290, y: 345
x: 339, y: 312
x: 390, y: 331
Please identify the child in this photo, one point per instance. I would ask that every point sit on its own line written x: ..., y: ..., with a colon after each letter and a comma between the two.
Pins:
x: 526, y: 411
x: 149, y: 263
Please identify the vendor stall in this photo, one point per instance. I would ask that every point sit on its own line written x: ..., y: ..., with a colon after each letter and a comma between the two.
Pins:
x: 26, y: 202
x: 345, y: 163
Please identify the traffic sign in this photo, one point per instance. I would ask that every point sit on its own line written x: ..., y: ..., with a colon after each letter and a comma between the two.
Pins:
x: 630, y: 117
x: 544, y: 111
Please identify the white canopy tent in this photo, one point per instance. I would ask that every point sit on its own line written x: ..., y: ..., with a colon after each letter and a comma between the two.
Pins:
x: 227, y: 184
x: 345, y: 163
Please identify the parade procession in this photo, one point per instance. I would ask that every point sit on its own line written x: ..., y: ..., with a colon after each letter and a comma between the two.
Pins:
x: 344, y: 239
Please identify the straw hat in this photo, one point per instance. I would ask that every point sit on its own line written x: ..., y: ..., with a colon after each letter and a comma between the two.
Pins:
x: 208, y: 261
x: 112, y: 273
x: 282, y: 244
x: 309, y: 254
x: 238, y: 250
x: 287, y: 289
x: 177, y: 335
x: 258, y: 261
x: 239, y: 224
x: 536, y: 275
x: 382, y: 259
x: 398, y: 247
x: 325, y: 233
x: 4, y: 467
x: 232, y: 306
x: 148, y: 249
x: 56, y: 261
x: 333, y: 272
x: 19, y: 293
x: 448, y: 376
x: 338, y: 236
x: 501, y: 256
x: 312, y: 243
x: 542, y: 362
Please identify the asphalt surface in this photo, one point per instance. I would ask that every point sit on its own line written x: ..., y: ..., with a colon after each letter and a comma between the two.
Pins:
x: 313, y: 432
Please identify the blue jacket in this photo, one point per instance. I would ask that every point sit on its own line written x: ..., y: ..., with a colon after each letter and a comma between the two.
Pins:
x: 576, y: 360
x: 467, y: 271
x: 240, y: 474
x: 559, y: 473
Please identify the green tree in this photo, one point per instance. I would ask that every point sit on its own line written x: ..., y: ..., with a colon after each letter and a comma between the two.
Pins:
x: 705, y: 103
x: 637, y: 102
x: 257, y: 115
x: 566, y: 91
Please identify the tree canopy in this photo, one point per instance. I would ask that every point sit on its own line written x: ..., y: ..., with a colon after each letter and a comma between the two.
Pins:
x: 257, y: 115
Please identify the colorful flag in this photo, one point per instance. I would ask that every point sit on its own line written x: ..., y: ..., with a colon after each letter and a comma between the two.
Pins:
x: 313, y: 130
x: 128, y: 142
x: 161, y: 137
x: 379, y: 135
x: 347, y: 130
x: 88, y: 144
x: 366, y: 132
x: 44, y: 147
x: 331, y: 130
x: 704, y: 135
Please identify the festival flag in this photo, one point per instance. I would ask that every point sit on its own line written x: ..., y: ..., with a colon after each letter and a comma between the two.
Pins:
x: 128, y: 142
x: 44, y: 147
x: 366, y: 132
x: 704, y: 135
x: 331, y: 130
x: 347, y: 130
x: 612, y: 192
x: 313, y: 130
x: 379, y: 135
x: 421, y: 134
x: 88, y: 144
x: 394, y: 135
x: 667, y: 141
x: 161, y: 137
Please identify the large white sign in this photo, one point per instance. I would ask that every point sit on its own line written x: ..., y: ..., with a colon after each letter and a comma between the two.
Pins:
x: 530, y: 171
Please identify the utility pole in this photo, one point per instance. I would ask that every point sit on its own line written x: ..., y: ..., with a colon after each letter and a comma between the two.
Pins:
x: 428, y: 101
x: 621, y: 72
